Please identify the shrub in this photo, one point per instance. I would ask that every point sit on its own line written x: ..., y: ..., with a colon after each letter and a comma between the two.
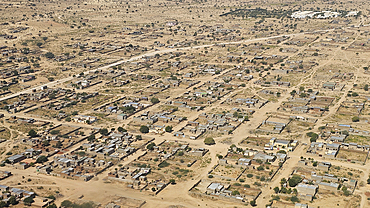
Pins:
x: 313, y: 136
x: 28, y: 201
x: 355, y: 119
x: 235, y: 192
x: 293, y: 181
x: 32, y: 133
x: 12, y: 200
x: 52, y: 206
x: 164, y: 164
x: 41, y: 159
x: 150, y: 146
x: 249, y: 175
x: 168, y: 128
x: 294, y: 199
x: 49, y: 55
x: 120, y: 129
x: 104, y: 131
x: 144, y: 129
x: 91, y: 138
x: 209, y: 141
x: 260, y: 168
x: 154, y: 100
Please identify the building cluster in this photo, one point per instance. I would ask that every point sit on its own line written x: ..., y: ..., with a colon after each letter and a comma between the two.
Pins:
x: 314, y: 182
x: 227, y: 122
x: 143, y: 173
x: 334, y: 145
x: 9, y: 193
x: 74, y: 166
x: 114, y: 146
x: 313, y: 105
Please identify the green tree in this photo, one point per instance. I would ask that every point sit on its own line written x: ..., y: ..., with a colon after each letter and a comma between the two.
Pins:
x: 12, y: 200
x: 3, y: 204
x: 41, y: 159
x: 154, y: 100
x: 293, y: 181
x: 294, y: 199
x: 253, y: 203
x: 355, y: 119
x: 235, y: 192
x: 28, y: 201
x: 32, y: 133
x: 172, y: 181
x: 313, y: 136
x: 104, y: 132
x: 91, y: 138
x: 66, y: 204
x: 46, y: 142
x: 168, y: 128
x: 144, y: 129
x: 260, y: 168
x: 150, y: 146
x: 345, y: 191
x: 209, y: 141
x: 276, y: 189
x: 121, y: 129
x: 52, y: 206
x: 54, y: 132
x: 282, y: 181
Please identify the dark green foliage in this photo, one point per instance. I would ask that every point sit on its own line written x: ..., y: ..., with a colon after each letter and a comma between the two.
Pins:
x: 32, y: 133
x: 41, y: 159
x: 154, y: 100
x: 144, y: 129
x: 150, y: 146
x: 49, y: 55
x: 104, y: 132
x: 209, y: 141
x: 293, y: 181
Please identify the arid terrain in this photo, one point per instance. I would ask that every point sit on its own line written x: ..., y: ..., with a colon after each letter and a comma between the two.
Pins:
x: 184, y: 103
